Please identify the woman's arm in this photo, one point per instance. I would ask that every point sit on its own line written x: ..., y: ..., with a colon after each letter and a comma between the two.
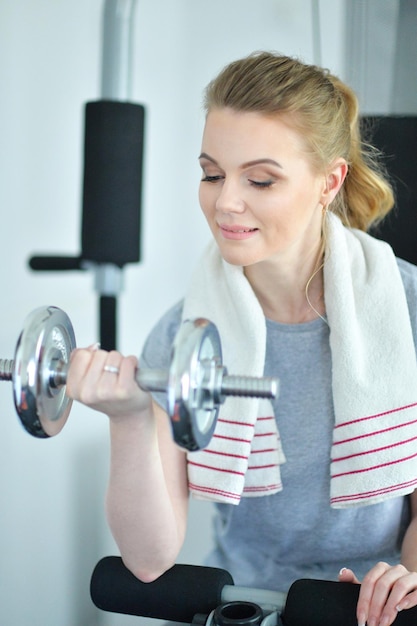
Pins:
x: 387, y: 589
x: 147, y: 500
x: 409, y: 547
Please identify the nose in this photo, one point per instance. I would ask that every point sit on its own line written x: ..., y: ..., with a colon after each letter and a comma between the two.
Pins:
x: 230, y: 198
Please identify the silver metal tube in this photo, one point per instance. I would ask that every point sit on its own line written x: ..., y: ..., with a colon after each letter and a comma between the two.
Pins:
x: 117, y: 49
x: 152, y: 379
x: 116, y: 71
x: 147, y: 379
x: 268, y: 600
x: 248, y: 386
x: 6, y: 369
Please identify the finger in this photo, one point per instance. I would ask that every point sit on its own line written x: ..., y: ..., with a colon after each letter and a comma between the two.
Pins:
x: 389, y: 590
x: 366, y: 594
x: 84, y: 372
x: 91, y: 348
x: 112, y: 365
x: 129, y: 365
x: 126, y: 398
x: 79, y: 363
x: 127, y: 376
x: 348, y: 576
x: 118, y: 380
x: 408, y: 601
x: 402, y: 595
x: 94, y: 346
x: 108, y: 374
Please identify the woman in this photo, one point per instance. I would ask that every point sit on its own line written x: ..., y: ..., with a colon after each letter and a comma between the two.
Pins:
x: 322, y: 480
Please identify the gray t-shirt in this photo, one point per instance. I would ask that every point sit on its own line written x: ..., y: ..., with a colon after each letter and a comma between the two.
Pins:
x: 270, y: 541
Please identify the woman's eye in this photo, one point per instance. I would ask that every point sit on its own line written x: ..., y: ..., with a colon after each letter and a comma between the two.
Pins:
x: 261, y: 184
x: 211, y: 179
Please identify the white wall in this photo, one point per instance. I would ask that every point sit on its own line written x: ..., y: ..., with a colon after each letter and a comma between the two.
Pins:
x: 52, y: 526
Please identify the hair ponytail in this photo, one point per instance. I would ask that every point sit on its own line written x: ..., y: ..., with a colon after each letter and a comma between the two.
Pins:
x: 366, y: 196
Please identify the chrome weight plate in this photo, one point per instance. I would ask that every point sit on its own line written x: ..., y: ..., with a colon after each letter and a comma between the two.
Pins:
x: 193, y: 382
x: 43, y: 348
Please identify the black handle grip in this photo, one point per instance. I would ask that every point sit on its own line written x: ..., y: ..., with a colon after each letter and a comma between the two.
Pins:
x: 178, y: 595
x: 55, y: 263
x: 329, y: 603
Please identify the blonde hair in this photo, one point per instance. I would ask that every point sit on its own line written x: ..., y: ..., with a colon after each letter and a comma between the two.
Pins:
x: 324, y: 110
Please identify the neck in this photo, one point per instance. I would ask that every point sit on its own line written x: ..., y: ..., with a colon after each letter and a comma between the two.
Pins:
x: 290, y: 294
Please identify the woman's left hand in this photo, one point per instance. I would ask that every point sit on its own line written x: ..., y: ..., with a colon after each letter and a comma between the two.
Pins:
x: 385, y: 590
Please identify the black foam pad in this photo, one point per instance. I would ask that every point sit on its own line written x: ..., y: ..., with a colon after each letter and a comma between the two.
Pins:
x: 329, y: 603
x: 112, y: 188
x: 396, y: 138
x: 178, y: 595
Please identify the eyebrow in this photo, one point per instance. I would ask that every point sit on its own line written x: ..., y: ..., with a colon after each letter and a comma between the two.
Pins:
x: 204, y: 155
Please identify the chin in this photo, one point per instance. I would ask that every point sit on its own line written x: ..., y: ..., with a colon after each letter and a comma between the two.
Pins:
x: 237, y: 258
x: 239, y: 253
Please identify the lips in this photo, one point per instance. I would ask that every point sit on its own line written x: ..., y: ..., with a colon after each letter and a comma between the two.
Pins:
x: 237, y: 232
x: 237, y: 229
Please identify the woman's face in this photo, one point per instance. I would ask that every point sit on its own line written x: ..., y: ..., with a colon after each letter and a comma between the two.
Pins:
x: 259, y: 193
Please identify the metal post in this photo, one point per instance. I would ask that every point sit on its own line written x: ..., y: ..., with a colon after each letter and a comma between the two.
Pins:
x: 117, y: 49
x: 115, y: 85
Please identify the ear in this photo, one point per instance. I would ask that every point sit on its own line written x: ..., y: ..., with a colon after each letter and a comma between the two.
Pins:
x: 335, y: 177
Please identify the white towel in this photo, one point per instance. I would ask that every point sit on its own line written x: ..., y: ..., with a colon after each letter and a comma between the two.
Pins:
x: 374, y: 451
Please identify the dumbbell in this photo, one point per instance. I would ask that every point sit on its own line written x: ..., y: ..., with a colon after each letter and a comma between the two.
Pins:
x: 196, y: 383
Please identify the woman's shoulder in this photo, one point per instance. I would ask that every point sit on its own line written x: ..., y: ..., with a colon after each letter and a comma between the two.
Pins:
x: 408, y: 273
x: 170, y: 320
x: 157, y: 347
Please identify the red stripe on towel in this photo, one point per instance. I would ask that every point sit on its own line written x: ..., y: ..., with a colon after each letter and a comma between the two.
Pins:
x: 263, y: 451
x: 375, y: 432
x: 257, y: 467
x: 231, y: 438
x: 277, y: 486
x: 213, y: 491
x: 376, y: 492
x: 234, y: 423
x: 228, y: 454
x: 375, y: 467
x: 216, y: 469
x: 392, y: 445
x: 371, y: 417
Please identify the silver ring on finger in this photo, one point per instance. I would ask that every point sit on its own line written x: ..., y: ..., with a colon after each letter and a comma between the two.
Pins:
x: 112, y: 369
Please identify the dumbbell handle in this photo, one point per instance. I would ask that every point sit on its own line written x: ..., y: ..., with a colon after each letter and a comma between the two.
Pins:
x: 157, y: 380
x: 244, y: 386
x: 6, y: 369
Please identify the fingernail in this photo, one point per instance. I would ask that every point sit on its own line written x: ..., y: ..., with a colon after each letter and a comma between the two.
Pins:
x: 341, y: 573
x: 94, y: 347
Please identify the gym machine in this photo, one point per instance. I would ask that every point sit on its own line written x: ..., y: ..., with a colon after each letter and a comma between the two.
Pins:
x: 114, y: 130
x: 206, y: 596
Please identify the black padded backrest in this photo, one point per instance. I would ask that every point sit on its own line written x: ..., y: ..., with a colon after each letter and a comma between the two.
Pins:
x: 396, y: 138
x: 112, y: 188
